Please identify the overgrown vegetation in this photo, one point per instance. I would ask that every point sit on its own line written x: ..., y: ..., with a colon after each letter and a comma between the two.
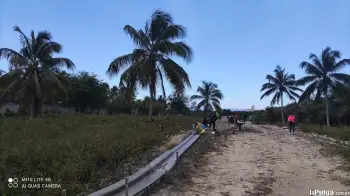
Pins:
x: 340, y: 133
x: 78, y: 151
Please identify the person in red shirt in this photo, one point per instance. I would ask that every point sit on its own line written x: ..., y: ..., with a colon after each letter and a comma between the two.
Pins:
x: 291, y: 123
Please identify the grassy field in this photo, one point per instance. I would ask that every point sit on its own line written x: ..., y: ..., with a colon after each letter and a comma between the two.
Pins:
x: 77, y: 151
x: 341, y: 133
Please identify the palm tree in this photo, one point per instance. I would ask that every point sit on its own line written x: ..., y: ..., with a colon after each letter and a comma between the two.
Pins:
x: 34, y: 72
x: 280, y: 84
x: 209, y: 97
x: 150, y: 62
x: 323, y: 76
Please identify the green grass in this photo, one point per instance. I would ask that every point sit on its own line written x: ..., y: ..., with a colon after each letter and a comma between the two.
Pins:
x: 77, y: 151
x: 340, y: 133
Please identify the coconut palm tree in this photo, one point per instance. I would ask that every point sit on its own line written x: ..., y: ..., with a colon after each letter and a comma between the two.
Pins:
x: 323, y: 75
x: 150, y: 63
x: 209, y: 97
x: 34, y: 72
x: 281, y: 84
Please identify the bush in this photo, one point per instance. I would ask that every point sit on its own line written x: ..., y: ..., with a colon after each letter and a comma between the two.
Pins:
x: 10, y: 113
x: 77, y: 151
x: 341, y: 133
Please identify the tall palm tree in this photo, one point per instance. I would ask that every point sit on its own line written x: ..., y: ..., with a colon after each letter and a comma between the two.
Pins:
x: 281, y: 84
x: 150, y: 62
x: 209, y: 97
x: 323, y: 76
x: 34, y: 72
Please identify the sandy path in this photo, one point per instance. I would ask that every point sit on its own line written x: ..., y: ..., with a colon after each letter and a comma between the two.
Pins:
x: 266, y: 161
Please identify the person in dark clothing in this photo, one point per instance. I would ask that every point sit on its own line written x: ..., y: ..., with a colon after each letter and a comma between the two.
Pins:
x: 205, y: 121
x: 244, y: 117
x: 214, y: 116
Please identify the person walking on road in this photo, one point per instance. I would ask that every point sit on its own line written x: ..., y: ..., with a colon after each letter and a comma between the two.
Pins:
x: 236, y: 118
x: 291, y: 123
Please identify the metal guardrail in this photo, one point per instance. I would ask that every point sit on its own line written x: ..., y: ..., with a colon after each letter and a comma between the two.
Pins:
x: 152, y: 172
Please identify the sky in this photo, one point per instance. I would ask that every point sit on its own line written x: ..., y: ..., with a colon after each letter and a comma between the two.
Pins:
x: 235, y: 43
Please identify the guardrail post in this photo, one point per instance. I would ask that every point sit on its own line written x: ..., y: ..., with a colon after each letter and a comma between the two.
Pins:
x: 126, y: 186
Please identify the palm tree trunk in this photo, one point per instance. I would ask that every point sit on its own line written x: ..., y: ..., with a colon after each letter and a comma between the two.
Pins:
x: 33, y: 107
x: 327, y: 111
x: 205, y: 110
x: 282, y: 108
x: 150, y: 112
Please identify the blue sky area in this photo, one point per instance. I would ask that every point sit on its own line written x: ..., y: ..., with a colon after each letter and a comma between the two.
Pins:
x: 236, y: 43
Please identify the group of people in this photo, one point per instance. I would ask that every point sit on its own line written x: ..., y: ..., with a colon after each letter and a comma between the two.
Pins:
x: 207, y: 124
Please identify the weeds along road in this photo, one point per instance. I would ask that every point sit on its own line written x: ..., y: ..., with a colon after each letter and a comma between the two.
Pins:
x: 265, y: 160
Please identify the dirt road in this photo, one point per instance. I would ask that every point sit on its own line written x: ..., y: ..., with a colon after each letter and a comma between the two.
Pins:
x: 266, y: 161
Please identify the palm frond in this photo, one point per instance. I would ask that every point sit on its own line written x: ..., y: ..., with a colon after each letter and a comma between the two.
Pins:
x: 43, y: 36
x: 316, y: 61
x: 269, y: 92
x: 272, y: 79
x: 290, y: 96
x: 339, y: 87
x: 136, y: 37
x: 194, y: 97
x: 294, y: 88
x: 345, y: 78
x: 63, y: 62
x: 294, y: 94
x: 9, y: 53
x: 176, y: 75
x: 306, y: 79
x: 162, y: 16
x: 214, y: 99
x: 117, y: 64
x: 216, y: 106
x: 48, y: 48
x: 308, y: 91
x: 180, y: 49
x: 13, y: 78
x: 200, y: 105
x: 160, y: 20
x: 276, y: 98
x: 341, y: 64
x: 174, y: 31
x: 289, y: 77
x: 217, y: 94
x: 268, y: 86
x: 24, y: 39
x: 310, y: 68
